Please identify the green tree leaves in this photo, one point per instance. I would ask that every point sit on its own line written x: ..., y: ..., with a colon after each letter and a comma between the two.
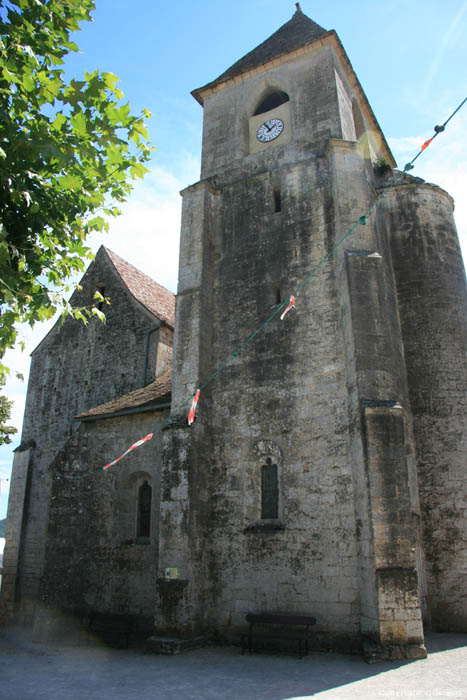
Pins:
x: 68, y: 154
x: 6, y: 431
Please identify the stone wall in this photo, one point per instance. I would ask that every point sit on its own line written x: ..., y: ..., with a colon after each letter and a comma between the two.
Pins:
x: 324, y: 396
x: 355, y: 402
x: 95, y: 562
x: 73, y: 369
x: 310, y: 83
x: 284, y: 397
x: 432, y: 295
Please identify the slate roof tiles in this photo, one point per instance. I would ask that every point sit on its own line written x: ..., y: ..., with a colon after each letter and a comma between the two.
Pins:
x: 297, y: 32
x: 150, y: 397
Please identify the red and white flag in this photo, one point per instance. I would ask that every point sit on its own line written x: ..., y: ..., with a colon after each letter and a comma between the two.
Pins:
x: 194, y: 403
x: 133, y: 447
x: 290, y: 305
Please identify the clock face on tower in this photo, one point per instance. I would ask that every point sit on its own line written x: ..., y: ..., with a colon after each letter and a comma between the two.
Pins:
x: 270, y: 130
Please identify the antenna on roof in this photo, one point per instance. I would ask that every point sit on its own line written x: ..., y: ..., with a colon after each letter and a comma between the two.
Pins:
x: 297, y: 5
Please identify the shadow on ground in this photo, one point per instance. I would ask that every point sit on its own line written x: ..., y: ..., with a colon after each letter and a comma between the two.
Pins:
x: 39, y: 672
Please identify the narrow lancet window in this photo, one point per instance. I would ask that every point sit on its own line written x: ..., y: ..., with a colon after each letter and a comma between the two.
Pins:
x: 269, y: 491
x: 277, y: 200
x: 101, y: 290
x: 144, y: 510
x: 278, y: 293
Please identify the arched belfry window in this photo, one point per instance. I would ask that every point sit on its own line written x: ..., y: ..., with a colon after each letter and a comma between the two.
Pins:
x: 143, y: 528
x: 271, y: 101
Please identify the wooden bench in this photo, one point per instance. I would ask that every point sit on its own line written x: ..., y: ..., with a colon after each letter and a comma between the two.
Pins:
x: 278, y: 631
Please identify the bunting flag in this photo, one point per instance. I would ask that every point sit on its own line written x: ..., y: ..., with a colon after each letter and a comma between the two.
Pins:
x: 194, y: 403
x: 133, y: 447
x: 427, y: 143
x: 291, y: 302
x: 290, y: 305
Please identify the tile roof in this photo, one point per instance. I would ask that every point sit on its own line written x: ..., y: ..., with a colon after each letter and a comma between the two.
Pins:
x: 158, y: 300
x: 297, y: 32
x: 147, y: 397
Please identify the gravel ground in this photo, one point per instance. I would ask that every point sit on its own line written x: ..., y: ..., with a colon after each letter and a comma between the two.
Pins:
x: 37, y: 672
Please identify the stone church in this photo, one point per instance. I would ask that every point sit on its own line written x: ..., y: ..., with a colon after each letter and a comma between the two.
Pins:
x: 325, y: 471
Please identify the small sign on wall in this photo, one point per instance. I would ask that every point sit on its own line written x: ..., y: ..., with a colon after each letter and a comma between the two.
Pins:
x: 172, y: 572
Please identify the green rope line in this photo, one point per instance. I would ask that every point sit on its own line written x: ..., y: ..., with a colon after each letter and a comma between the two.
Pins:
x: 244, y: 345
x: 360, y: 222
x: 437, y: 130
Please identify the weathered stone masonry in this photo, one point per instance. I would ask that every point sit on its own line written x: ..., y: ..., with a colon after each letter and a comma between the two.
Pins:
x: 74, y: 368
x: 325, y: 471
x: 330, y: 389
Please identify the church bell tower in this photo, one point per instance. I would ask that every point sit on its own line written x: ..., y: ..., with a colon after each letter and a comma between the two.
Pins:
x: 296, y: 487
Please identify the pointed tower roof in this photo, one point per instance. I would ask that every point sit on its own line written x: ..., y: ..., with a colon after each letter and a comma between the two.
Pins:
x: 296, y: 37
x: 297, y: 32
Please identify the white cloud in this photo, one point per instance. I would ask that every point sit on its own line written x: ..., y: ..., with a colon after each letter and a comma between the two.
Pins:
x: 453, y: 34
x: 147, y: 233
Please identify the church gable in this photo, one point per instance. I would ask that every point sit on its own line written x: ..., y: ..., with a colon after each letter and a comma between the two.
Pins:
x: 113, y: 276
x: 77, y: 366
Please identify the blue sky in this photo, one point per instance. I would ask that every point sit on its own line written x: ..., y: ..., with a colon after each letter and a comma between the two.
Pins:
x: 410, y: 57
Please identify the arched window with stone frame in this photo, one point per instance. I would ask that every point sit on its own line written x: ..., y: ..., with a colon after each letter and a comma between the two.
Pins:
x: 269, y: 481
